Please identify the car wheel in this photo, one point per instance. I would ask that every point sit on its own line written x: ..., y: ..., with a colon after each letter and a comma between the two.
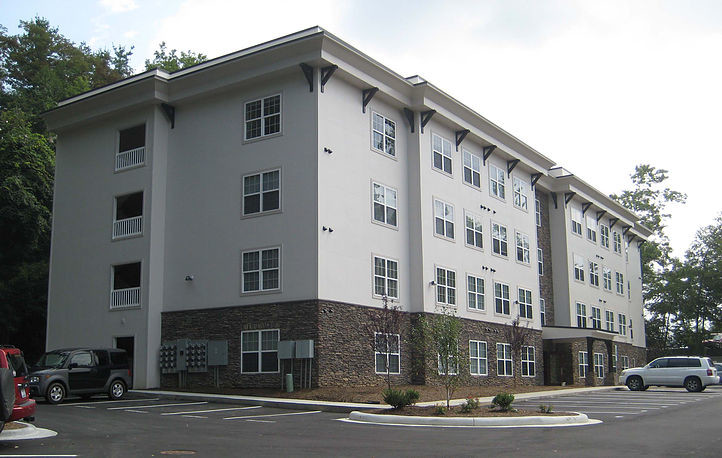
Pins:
x: 116, y: 390
x: 635, y: 383
x: 693, y: 384
x: 55, y: 393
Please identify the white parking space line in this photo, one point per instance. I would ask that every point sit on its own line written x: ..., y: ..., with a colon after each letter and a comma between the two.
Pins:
x: 262, y: 421
x: 85, y: 407
x: 212, y: 410
x: 75, y: 404
x: 194, y: 416
x: 272, y: 415
x: 136, y: 411
x: 152, y: 406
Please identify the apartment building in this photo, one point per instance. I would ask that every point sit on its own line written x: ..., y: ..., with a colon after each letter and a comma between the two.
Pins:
x: 284, y: 192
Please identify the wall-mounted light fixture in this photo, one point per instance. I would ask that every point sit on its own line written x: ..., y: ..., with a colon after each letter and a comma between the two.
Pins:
x: 189, y: 277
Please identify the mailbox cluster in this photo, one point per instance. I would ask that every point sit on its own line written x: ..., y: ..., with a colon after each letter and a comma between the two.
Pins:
x: 192, y: 355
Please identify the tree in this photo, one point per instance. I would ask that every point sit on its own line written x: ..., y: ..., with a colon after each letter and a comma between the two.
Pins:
x: 171, y: 61
x: 385, y: 328
x: 518, y: 337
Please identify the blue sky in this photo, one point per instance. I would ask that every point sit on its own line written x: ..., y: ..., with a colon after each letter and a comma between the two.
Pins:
x: 597, y: 86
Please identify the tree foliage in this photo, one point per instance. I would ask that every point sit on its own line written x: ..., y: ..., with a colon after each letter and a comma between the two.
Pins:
x: 171, y: 61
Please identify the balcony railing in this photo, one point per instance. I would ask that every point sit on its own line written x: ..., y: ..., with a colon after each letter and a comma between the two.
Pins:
x: 128, y: 227
x: 126, y: 297
x: 131, y: 158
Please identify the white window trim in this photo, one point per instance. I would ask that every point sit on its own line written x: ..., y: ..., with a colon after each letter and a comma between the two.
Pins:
x: 373, y: 202
x: 575, y: 269
x: 581, y: 316
x: 609, y: 324
x: 502, y: 297
x: 594, y: 274
x: 542, y: 311
x: 245, y: 215
x: 622, y: 318
x: 617, y: 237
x: 506, y: 229
x: 371, y: 138
x: 443, y: 218
x: 477, y: 220
x: 387, y: 353
x: 599, y: 368
x: 528, y: 306
x: 606, y: 270
x: 572, y: 212
x: 540, y: 262
x: 523, y: 196
x: 451, y: 155
x: 260, y: 260
x: 476, y: 293
x: 525, y: 246
x: 530, y: 363
x: 386, y: 277
x: 592, y: 229
x: 601, y: 236
x: 498, y: 359
x: 446, y: 293
x: 495, y: 179
x: 594, y: 319
x: 485, y: 358
x: 582, y: 362
x: 464, y: 167
x: 280, y: 114
x: 537, y: 212
x: 619, y: 285
x: 260, y: 351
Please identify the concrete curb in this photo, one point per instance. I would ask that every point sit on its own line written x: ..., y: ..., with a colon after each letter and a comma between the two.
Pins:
x: 27, y: 432
x: 522, y: 396
x: 566, y: 420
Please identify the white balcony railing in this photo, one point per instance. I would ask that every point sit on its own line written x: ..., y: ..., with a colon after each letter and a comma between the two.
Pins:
x: 128, y: 227
x: 127, y: 297
x: 130, y: 158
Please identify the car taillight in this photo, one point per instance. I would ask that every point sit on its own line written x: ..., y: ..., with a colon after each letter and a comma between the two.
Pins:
x: 709, y: 372
x: 129, y: 374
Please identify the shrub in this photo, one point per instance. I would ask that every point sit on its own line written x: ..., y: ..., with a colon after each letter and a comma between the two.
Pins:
x: 399, y: 399
x: 503, y: 401
x: 439, y: 410
x: 545, y: 409
x: 469, y: 405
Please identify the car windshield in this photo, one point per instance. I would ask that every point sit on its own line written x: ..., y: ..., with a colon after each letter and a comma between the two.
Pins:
x: 18, y: 364
x: 52, y: 360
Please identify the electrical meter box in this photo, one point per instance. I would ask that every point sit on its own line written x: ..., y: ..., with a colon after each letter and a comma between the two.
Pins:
x: 217, y: 352
x: 196, y: 356
x: 167, y: 357
x: 304, y: 348
x: 181, y: 349
x: 287, y: 349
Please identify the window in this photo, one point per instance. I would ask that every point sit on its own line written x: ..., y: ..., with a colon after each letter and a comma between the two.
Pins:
x: 501, y: 298
x: 542, y: 310
x: 596, y: 317
x: 131, y: 148
x: 499, y: 244
x: 591, y: 229
x: 626, y: 250
x: 528, y: 364
x: 445, y: 286
x: 609, y: 318
x: 263, y: 117
x: 525, y: 308
x: 475, y: 291
x: 617, y: 238
x: 624, y: 360
x: 125, y: 290
x: 537, y: 212
x: 614, y: 359
x: 387, y: 356
x: 520, y: 198
x: 383, y: 134
x: 478, y: 358
x: 578, y: 268
x: 522, y: 248
x: 473, y: 231
x: 504, y: 361
x: 472, y: 169
x: 259, y: 351
x: 576, y: 221
x: 540, y: 261
x: 594, y: 274
x: 607, y: 276
x: 622, y: 324
x: 599, y: 365
x: 604, y: 236
x: 444, y: 219
x: 262, y: 270
x: 451, y: 364
x: 442, y: 153
x: 620, y: 282
x: 581, y: 315
x: 496, y: 182
x: 583, y: 358
x: 262, y: 192
x: 384, y: 204
x: 386, y: 277
x: 128, y: 215
x: 631, y: 330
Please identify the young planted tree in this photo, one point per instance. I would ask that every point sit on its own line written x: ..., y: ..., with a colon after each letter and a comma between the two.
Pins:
x: 518, y: 336
x: 384, y: 326
x: 171, y: 61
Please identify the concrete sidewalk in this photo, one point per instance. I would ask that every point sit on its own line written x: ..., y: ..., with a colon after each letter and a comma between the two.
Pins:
x: 340, y: 407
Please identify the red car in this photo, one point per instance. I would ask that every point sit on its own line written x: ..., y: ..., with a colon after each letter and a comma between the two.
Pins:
x: 13, y: 363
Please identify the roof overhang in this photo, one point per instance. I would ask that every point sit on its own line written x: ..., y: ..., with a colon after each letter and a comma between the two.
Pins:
x: 562, y: 333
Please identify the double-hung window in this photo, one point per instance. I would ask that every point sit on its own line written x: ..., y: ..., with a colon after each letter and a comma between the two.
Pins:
x: 581, y: 315
x: 542, y: 311
x: 609, y: 318
x: 445, y: 286
x: 261, y: 270
x: 383, y: 134
x: 387, y: 355
x: 596, y: 317
x: 540, y: 261
x: 599, y: 365
x: 504, y: 361
x: 578, y: 268
x: 537, y: 212
x: 594, y: 274
x: 499, y: 240
x: 478, y: 361
x: 528, y: 363
x: 525, y: 307
x: 472, y: 168
x: 520, y: 197
x: 622, y: 324
x: 576, y: 215
x: 591, y: 229
x: 522, y: 248
x: 259, y: 351
x: 473, y: 230
x: 604, y: 235
x: 442, y: 153
x: 384, y: 204
x: 262, y: 192
x: 617, y: 239
x: 496, y: 182
x: 607, y: 277
x: 501, y: 298
x: 386, y: 277
x: 444, y: 219
x: 624, y: 362
x: 263, y: 117
x: 475, y: 291
x: 620, y: 282
x: 583, y: 358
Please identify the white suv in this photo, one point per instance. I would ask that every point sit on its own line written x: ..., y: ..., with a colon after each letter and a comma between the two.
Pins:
x: 692, y: 372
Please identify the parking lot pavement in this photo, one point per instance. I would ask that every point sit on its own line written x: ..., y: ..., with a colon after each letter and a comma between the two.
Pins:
x: 621, y: 403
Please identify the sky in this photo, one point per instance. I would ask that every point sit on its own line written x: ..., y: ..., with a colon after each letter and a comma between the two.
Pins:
x: 596, y: 86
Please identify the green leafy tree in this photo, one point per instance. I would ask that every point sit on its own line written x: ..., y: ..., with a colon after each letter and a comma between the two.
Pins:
x: 171, y: 61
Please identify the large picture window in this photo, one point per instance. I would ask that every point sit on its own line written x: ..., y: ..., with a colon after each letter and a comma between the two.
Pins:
x: 259, y: 351
x: 263, y: 117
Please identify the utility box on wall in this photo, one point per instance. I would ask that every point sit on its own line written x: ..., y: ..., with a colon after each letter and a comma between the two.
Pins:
x: 286, y: 349
x: 217, y: 352
x: 167, y: 357
x: 196, y: 356
x: 304, y: 349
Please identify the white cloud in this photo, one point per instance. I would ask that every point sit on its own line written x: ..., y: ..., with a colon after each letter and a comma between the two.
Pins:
x: 119, y: 6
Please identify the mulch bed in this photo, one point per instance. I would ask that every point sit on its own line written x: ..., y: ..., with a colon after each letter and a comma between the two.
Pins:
x: 483, y: 411
x: 14, y: 425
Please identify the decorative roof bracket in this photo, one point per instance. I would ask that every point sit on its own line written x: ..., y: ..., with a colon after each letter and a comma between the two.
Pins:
x: 410, y: 118
x: 487, y: 150
x: 568, y: 196
x: 600, y: 214
x: 510, y: 165
x: 308, y: 73
x: 425, y: 118
x: 460, y: 136
x: 169, y: 111
x: 326, y: 73
x: 585, y: 207
x: 366, y: 96
x: 534, y: 178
